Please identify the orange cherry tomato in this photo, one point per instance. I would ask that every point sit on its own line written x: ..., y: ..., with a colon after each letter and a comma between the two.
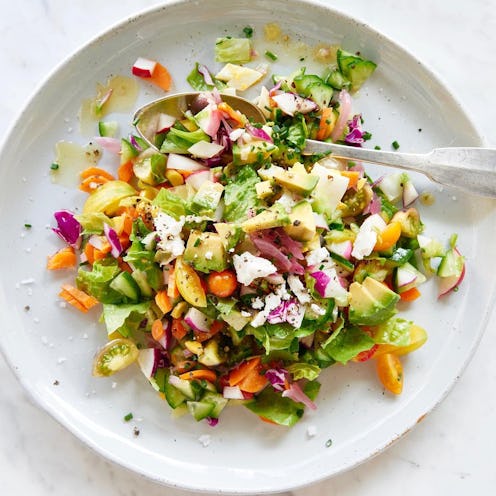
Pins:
x: 222, y: 284
x: 390, y: 372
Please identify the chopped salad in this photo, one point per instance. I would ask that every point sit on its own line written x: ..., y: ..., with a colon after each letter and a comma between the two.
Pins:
x: 234, y: 268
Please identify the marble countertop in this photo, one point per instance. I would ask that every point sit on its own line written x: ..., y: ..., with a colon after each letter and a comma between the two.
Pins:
x: 451, y: 451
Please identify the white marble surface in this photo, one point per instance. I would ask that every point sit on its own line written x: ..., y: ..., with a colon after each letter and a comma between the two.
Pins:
x: 451, y: 451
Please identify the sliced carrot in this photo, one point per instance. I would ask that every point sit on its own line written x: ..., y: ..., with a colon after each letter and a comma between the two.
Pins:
x: 172, y: 291
x: 199, y: 374
x: 215, y: 328
x: 96, y: 171
x: 253, y: 382
x: 91, y: 183
x: 242, y: 370
x: 77, y: 298
x: 178, y: 330
x: 163, y: 301
x: 222, y: 284
x: 265, y: 419
x: 161, y: 77
x: 410, y: 294
x: 63, y: 259
x: 353, y: 177
x: 388, y: 236
x: 125, y: 171
x: 157, y: 329
x: 234, y: 115
x: 326, y: 124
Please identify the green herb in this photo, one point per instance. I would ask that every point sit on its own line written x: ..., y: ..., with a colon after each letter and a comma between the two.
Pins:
x: 377, y: 147
x: 128, y: 417
x: 248, y: 30
x: 54, y: 166
x: 366, y: 135
x: 395, y: 145
x: 197, y: 242
x: 270, y: 55
x: 28, y: 226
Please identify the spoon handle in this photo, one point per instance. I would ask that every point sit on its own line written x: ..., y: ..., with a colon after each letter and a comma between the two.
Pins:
x: 470, y: 169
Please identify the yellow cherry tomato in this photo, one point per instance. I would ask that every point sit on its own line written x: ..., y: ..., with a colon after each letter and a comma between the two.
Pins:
x: 390, y: 372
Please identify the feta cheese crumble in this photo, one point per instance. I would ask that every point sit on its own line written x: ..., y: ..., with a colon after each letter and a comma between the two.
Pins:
x: 248, y: 267
x: 169, y: 232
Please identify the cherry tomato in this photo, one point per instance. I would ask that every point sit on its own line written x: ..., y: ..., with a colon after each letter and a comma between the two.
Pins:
x: 222, y: 284
x: 390, y: 372
x: 114, y: 356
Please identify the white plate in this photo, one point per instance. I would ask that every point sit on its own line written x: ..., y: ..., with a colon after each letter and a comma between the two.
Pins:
x: 48, y: 343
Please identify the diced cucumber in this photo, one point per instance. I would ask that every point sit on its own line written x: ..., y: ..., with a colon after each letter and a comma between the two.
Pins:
x: 192, y: 390
x: 128, y: 152
x: 126, y: 285
x: 321, y: 94
x: 451, y: 264
x: 142, y: 282
x: 200, y: 409
x: 337, y: 80
x: 342, y: 261
x: 173, y: 396
x: 355, y: 68
x: 161, y: 378
x: 218, y: 401
x: 302, y: 83
x: 108, y: 129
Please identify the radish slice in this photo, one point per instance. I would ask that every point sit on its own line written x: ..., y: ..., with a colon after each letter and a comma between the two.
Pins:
x: 391, y: 186
x: 144, y: 67
x: 343, y: 248
x: 180, y: 162
x: 409, y: 194
x: 148, y: 360
x: 320, y: 221
x: 232, y: 393
x: 205, y: 149
x: 448, y: 284
x: 196, y: 179
x: 197, y: 320
x: 344, y: 113
x: 404, y: 277
x: 165, y: 122
x: 113, y: 145
x: 291, y: 103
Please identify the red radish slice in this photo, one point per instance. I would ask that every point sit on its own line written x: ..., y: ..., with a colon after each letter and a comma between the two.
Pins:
x: 232, y: 393
x: 409, y: 194
x: 165, y: 122
x: 290, y: 103
x: 148, y: 360
x: 197, y: 320
x: 196, y: 179
x: 344, y: 113
x: 404, y: 277
x: 448, y: 284
x: 113, y: 145
x: 205, y: 149
x: 144, y: 67
x: 180, y: 162
x: 343, y: 248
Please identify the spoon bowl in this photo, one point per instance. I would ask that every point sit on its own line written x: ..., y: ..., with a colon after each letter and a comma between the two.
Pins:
x: 470, y: 169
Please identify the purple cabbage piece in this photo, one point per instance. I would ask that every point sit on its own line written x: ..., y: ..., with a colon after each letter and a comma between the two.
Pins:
x: 258, y: 133
x: 113, y: 239
x: 355, y: 135
x: 296, y: 394
x: 212, y: 422
x: 285, y: 310
x: 321, y: 282
x: 278, y: 377
x: 68, y: 228
x: 202, y: 69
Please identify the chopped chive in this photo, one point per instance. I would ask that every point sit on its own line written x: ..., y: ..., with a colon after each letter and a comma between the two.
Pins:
x: 128, y: 417
x: 377, y: 147
x: 54, y: 166
x: 395, y: 145
x: 366, y: 135
x: 28, y: 226
x: 270, y: 55
x: 197, y: 242
x: 248, y: 30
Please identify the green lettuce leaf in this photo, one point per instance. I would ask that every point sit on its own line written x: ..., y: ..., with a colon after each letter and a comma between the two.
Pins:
x: 171, y: 204
x: 234, y: 50
x: 395, y: 331
x: 240, y: 195
x: 125, y: 318
x: 96, y: 282
x: 197, y: 81
x: 272, y: 406
x: 92, y: 223
x: 348, y: 343
x: 144, y: 260
x: 304, y: 371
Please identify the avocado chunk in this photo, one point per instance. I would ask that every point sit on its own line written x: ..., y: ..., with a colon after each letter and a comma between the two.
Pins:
x: 212, y: 355
x: 296, y: 179
x: 371, y: 302
x: 254, y: 152
x: 230, y: 234
x: 205, y: 252
x: 207, y: 198
x: 275, y: 216
x: 302, y: 222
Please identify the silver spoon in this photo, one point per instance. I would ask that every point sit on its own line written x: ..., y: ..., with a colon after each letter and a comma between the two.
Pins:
x: 468, y: 168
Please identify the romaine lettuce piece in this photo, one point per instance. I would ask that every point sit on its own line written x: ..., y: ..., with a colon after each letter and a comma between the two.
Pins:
x: 171, y: 204
x: 96, y: 282
x: 235, y: 50
x: 348, y: 343
x: 125, y: 318
x: 240, y: 195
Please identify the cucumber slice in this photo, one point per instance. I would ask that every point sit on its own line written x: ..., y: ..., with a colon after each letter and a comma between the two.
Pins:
x: 126, y: 285
x: 192, y: 390
x: 108, y: 129
x: 218, y: 401
x: 353, y: 67
x: 337, y: 80
x: 173, y: 396
x: 321, y: 94
x: 451, y: 264
x: 302, y: 83
x: 346, y: 264
x: 142, y: 282
x: 128, y: 152
x: 200, y: 409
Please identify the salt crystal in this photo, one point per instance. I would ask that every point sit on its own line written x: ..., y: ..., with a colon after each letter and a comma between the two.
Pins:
x: 61, y: 360
x: 205, y: 440
x: 311, y: 431
x: 30, y: 280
